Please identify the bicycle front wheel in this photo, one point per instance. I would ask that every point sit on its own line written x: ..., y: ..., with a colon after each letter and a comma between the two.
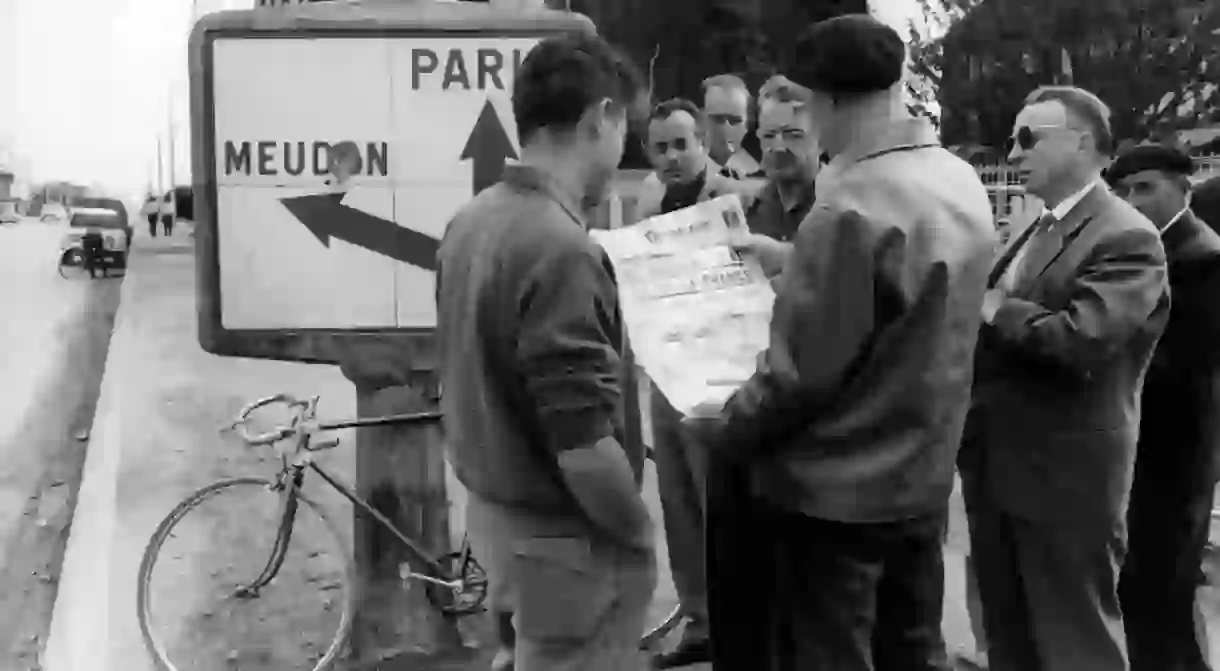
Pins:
x: 240, y: 576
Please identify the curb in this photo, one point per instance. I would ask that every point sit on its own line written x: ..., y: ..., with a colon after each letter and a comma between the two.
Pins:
x: 78, y: 632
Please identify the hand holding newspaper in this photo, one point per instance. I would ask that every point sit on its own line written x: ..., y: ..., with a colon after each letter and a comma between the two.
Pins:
x: 698, y: 313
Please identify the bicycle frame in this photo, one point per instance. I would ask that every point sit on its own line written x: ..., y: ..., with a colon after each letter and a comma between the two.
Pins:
x: 291, y: 476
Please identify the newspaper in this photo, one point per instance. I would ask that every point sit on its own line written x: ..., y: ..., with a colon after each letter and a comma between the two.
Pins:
x: 697, y: 312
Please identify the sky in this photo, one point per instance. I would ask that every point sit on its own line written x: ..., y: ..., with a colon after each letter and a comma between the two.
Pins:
x: 88, y: 86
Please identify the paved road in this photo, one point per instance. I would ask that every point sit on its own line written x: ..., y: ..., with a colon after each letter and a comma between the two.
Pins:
x: 155, y: 440
x: 53, y: 342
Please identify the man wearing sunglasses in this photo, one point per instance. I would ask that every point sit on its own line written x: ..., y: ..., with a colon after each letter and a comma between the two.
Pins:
x: 1177, y: 463
x: 1074, y: 308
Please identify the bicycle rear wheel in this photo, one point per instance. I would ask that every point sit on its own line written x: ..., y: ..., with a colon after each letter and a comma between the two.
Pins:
x: 242, y: 596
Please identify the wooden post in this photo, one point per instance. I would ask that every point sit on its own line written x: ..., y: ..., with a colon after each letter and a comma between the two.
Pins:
x: 400, y: 471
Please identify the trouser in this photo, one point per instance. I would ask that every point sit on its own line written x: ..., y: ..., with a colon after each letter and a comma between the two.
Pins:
x: 152, y: 225
x: 1169, y: 519
x: 682, y: 484
x: 167, y: 224
x: 1049, y: 589
x: 974, y: 608
x: 578, y: 601
x: 789, y: 592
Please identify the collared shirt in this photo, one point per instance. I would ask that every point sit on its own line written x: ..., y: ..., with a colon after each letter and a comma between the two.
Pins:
x: 770, y: 216
x: 1058, y: 214
x: 530, y: 337
x: 1176, y: 218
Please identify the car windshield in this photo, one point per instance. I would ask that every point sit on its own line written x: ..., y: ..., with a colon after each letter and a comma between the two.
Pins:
x: 108, y: 220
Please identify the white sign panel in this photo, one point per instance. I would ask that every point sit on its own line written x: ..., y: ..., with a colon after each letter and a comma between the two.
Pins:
x: 415, y: 127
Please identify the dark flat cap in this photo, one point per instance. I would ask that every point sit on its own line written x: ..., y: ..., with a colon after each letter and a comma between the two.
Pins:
x: 852, y: 54
x: 1149, y: 157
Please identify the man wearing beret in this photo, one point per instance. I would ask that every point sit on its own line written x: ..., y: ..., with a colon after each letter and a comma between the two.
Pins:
x: 1074, y: 308
x: 848, y: 430
x: 1177, y: 460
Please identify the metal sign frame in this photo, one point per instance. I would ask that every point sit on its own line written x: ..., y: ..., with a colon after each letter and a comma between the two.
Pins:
x: 319, y: 21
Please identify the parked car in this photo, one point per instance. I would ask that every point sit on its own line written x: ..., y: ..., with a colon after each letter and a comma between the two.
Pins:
x: 10, y: 218
x: 114, y: 232
x: 53, y: 213
x: 113, y: 205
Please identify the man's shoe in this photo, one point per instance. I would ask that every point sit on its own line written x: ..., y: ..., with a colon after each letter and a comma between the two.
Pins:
x: 687, y: 653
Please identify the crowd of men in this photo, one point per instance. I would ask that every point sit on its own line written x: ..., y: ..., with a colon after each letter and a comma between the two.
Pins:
x: 1070, y: 379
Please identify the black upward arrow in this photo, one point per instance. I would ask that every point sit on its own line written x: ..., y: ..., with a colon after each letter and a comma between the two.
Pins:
x: 327, y: 217
x: 489, y: 146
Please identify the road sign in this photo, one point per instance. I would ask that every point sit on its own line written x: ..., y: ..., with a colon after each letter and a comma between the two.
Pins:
x: 331, y: 152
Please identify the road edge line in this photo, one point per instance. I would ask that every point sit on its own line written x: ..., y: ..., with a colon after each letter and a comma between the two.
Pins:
x: 78, y: 634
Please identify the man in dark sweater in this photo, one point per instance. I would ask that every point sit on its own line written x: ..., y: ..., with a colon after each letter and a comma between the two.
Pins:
x: 532, y: 346
x: 1177, y: 460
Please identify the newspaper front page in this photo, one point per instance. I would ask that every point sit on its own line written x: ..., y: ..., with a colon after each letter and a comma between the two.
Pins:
x: 697, y: 312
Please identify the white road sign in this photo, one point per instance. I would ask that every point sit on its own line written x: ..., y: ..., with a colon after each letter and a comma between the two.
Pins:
x: 424, y: 123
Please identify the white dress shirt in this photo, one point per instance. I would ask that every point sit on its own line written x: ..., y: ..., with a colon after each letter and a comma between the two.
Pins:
x: 1059, y: 213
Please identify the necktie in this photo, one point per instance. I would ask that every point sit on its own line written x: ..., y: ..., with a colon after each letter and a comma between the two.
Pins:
x: 1043, y: 245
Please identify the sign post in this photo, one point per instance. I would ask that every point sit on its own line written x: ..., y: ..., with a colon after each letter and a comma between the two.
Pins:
x: 331, y: 144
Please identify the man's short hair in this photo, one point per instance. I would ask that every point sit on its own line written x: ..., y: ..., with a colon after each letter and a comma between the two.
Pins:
x: 1085, y: 106
x: 672, y: 106
x: 563, y: 76
x: 849, y: 56
x: 1159, y: 157
x: 725, y: 81
x: 781, y: 89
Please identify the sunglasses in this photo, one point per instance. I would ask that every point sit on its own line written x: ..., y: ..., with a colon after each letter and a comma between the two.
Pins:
x: 1026, y: 138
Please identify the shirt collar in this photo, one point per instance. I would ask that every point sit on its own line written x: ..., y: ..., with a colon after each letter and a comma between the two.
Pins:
x: 528, y: 177
x: 1063, y: 209
x: 888, y: 136
x: 770, y: 192
x: 1176, y: 218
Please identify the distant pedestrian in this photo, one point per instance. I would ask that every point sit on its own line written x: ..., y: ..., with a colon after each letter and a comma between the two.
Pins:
x: 167, y: 215
x: 1177, y: 462
x: 151, y: 210
x: 534, y: 364
x: 91, y: 244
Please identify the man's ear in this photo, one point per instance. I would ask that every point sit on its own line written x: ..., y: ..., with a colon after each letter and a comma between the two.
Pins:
x: 596, y: 116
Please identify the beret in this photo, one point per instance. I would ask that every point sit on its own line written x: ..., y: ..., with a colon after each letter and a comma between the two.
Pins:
x: 1149, y: 157
x: 852, y: 54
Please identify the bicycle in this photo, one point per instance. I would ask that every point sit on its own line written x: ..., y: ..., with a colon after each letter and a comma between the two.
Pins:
x: 455, y: 582
x: 459, y: 585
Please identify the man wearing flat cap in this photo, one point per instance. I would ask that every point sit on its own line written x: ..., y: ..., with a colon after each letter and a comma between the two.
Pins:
x: 1177, y: 460
x: 848, y: 430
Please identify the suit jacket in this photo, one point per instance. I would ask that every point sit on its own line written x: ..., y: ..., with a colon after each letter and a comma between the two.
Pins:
x: 855, y: 412
x: 652, y: 190
x: 1055, y: 415
x: 1180, y: 428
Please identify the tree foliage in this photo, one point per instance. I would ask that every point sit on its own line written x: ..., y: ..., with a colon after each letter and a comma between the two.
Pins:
x: 1154, y: 62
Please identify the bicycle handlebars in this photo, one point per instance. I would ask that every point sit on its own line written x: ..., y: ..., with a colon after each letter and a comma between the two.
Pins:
x: 275, y: 435
x: 303, y: 421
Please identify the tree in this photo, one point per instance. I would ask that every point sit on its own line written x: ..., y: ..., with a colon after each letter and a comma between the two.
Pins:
x: 1153, y: 61
x: 925, y: 42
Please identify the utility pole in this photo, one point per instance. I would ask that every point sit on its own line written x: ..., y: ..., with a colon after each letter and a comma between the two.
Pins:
x: 173, y: 184
x: 160, y: 174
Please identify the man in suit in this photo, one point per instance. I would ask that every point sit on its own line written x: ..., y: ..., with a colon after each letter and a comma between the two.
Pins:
x: 1074, y: 308
x: 683, y: 174
x: 1178, y: 458
x: 847, y: 432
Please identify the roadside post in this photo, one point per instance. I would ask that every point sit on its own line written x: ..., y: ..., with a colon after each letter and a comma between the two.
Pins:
x: 291, y: 268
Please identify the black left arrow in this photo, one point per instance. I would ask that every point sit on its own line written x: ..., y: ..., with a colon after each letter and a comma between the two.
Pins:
x: 327, y: 217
